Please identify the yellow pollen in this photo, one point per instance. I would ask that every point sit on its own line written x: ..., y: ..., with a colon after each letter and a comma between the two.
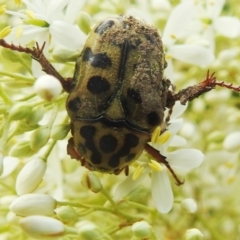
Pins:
x: 2, y: 9
x: 154, y: 165
x: 18, y: 2
x: 173, y: 36
x: 30, y: 14
x: 164, y: 137
x: 156, y: 135
x: 18, y: 32
x: 4, y: 32
x: 137, y: 172
x: 231, y: 179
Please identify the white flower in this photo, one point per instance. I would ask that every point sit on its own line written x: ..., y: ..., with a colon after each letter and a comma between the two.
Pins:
x: 42, y: 227
x: 183, y: 159
x: 195, y: 51
x: 30, y: 176
x: 49, y: 20
x: 48, y: 87
x: 33, y: 204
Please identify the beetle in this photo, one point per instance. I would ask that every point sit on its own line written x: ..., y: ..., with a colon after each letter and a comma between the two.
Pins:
x: 118, y: 93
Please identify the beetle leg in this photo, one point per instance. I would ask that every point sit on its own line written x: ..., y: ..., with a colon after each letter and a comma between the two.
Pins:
x: 192, y: 92
x: 161, y: 159
x: 37, y: 54
x: 72, y: 152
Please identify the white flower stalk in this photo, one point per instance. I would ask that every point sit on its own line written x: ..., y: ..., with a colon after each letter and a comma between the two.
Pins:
x: 45, y: 20
x: 30, y: 176
x: 33, y: 204
x: 183, y: 159
x: 48, y: 87
x: 42, y: 227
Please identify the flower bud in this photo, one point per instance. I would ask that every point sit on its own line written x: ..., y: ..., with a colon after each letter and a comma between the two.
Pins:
x: 193, y: 234
x: 91, y: 181
x: 48, y: 87
x: 40, y: 137
x: 141, y: 229
x: 33, y: 204
x: 19, y: 111
x: 30, y: 176
x: 66, y: 214
x: 189, y: 205
x: 232, y: 141
x: 88, y: 231
x: 9, y: 165
x: 60, y: 131
x: 85, y: 22
x: 42, y: 227
x: 61, y: 54
x: 35, y: 115
x: 21, y: 149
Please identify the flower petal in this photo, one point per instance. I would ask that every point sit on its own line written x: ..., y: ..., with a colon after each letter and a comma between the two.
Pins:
x: 74, y: 39
x: 227, y: 26
x: 127, y: 185
x: 185, y: 159
x: 162, y: 192
x: 178, y: 109
x: 72, y: 10
x: 180, y: 17
x: 192, y: 53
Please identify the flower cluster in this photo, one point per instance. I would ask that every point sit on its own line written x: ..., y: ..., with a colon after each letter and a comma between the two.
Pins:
x: 46, y: 195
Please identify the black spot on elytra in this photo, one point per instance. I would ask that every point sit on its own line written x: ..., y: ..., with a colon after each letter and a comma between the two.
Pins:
x: 100, y: 60
x: 130, y: 141
x: 108, y: 143
x: 97, y: 84
x: 95, y: 157
x: 103, y: 26
x: 74, y: 104
x: 87, y: 132
x: 135, y: 95
x: 153, y: 119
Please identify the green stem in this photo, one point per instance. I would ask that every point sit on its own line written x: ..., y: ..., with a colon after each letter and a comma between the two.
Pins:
x: 17, y: 76
x: 105, y: 193
x: 44, y: 157
x: 97, y: 208
x: 140, y: 206
x: 4, y: 96
x: 4, y: 137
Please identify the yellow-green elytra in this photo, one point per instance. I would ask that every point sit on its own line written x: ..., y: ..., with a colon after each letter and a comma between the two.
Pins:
x: 119, y: 94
